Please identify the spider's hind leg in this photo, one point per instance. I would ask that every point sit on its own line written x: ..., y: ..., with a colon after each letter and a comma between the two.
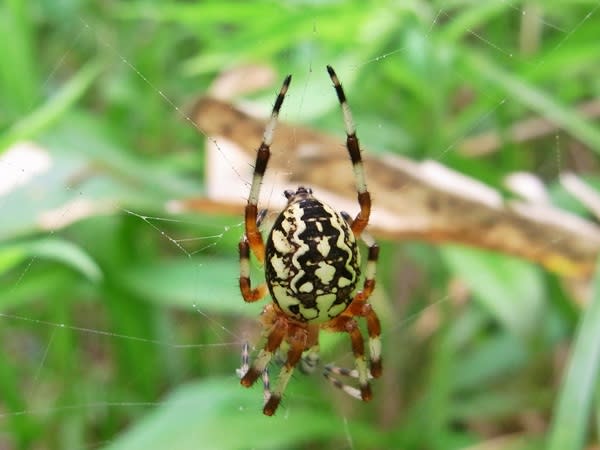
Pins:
x: 275, y: 331
x: 332, y: 371
x: 346, y: 324
x: 297, y: 339
x: 310, y: 360
x: 245, y: 366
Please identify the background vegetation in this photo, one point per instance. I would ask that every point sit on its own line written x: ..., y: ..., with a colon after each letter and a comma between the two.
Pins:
x: 120, y: 331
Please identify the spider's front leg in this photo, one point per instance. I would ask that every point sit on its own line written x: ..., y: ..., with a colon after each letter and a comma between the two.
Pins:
x: 250, y: 295
x: 263, y: 154
x: 364, y: 197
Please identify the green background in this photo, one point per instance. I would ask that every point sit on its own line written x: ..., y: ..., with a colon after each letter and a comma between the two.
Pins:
x: 123, y: 330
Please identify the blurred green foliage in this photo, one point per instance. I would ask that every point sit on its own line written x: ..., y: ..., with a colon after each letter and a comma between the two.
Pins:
x: 122, y: 331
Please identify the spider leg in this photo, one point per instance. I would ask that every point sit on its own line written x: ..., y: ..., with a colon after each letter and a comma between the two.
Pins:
x: 347, y: 324
x: 364, y: 198
x: 297, y: 340
x: 249, y: 294
x: 360, y: 307
x: 310, y: 359
x: 253, y: 235
x: 369, y: 283
x: 266, y: 386
x: 343, y: 372
x: 241, y: 371
x: 331, y: 370
x: 276, y: 329
x: 245, y: 366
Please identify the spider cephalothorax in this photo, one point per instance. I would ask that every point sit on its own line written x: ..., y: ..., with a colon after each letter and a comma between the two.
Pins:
x: 312, y: 267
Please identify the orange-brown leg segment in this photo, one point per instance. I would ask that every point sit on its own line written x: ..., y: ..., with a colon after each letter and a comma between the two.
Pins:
x: 352, y: 144
x: 297, y: 340
x: 347, y: 324
x: 361, y: 371
x: 262, y: 158
x: 274, y: 338
x: 361, y: 308
x: 249, y: 294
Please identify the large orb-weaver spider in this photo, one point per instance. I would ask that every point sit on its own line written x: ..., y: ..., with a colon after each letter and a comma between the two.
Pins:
x: 312, y: 267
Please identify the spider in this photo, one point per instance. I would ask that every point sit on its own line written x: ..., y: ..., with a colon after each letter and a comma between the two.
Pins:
x: 312, y: 266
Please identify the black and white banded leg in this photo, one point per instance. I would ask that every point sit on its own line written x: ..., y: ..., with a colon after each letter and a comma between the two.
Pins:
x: 332, y: 371
x: 252, y: 234
x: 364, y: 197
x: 245, y: 366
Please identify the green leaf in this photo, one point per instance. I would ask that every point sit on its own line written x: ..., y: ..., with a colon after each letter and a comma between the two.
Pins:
x: 43, y: 117
x: 54, y: 249
x: 572, y: 414
x: 219, y: 413
x: 496, y: 357
x: 544, y: 104
x: 10, y: 257
x: 471, y: 18
x: 19, y: 72
x: 192, y: 283
x: 45, y: 285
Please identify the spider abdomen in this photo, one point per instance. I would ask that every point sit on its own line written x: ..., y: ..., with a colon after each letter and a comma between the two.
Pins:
x: 312, y: 261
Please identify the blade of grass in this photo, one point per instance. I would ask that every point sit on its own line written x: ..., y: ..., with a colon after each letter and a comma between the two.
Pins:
x: 470, y: 19
x: 52, y: 249
x: 571, y: 417
x: 218, y: 413
x: 535, y: 99
x: 19, y: 71
x: 48, y: 113
x: 509, y: 288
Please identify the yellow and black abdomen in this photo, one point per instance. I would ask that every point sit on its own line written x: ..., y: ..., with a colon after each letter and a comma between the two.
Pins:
x: 312, y: 261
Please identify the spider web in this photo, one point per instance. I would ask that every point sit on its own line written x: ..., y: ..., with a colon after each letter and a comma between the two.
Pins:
x: 31, y: 334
